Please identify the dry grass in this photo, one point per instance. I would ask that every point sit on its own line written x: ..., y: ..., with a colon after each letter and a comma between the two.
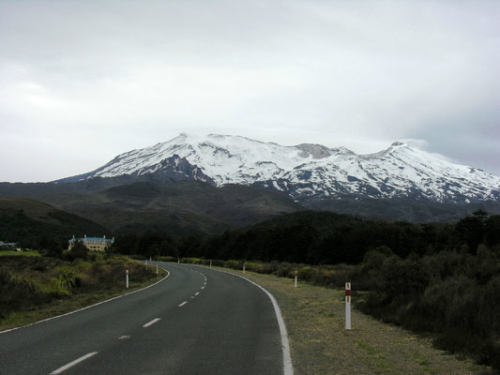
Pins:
x: 320, y: 344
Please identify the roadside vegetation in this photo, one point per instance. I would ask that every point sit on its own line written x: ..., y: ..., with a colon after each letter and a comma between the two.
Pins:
x: 34, y: 288
x: 320, y: 345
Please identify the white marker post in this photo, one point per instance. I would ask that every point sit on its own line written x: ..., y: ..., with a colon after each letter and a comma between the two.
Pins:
x: 126, y: 279
x: 178, y: 260
x: 296, y: 276
x: 244, y: 264
x: 157, y: 268
x: 347, y: 306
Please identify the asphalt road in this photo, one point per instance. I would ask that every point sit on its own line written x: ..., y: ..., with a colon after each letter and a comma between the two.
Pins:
x: 198, y: 321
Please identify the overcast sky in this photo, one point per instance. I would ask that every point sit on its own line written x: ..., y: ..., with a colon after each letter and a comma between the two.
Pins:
x: 83, y: 81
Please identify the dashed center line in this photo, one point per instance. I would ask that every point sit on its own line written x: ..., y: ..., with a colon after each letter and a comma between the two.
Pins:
x: 124, y: 337
x: 151, y: 323
x: 74, y: 363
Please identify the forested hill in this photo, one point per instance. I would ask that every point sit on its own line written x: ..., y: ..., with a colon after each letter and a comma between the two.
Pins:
x: 37, y: 225
x: 324, y: 238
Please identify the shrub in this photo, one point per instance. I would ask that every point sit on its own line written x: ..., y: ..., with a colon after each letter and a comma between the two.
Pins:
x: 233, y: 264
x: 191, y: 260
x: 18, y: 292
x: 285, y: 269
x: 259, y: 267
x: 306, y: 273
x: 79, y: 251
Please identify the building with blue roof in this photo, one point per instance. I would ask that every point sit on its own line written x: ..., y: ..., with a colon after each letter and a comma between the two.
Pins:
x: 93, y: 243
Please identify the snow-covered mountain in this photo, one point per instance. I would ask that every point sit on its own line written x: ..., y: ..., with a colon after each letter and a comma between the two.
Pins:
x: 307, y: 170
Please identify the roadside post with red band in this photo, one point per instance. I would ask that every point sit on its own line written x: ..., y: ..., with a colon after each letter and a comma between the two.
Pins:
x: 348, y: 306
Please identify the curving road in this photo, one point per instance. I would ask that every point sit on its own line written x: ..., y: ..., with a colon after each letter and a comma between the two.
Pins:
x: 197, y: 321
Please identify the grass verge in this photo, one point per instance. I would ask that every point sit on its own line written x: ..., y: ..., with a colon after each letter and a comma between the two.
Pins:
x: 314, y: 317
x: 99, y: 281
x: 6, y: 253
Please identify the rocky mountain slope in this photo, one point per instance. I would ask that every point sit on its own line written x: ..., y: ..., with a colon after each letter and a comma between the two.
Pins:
x: 306, y: 171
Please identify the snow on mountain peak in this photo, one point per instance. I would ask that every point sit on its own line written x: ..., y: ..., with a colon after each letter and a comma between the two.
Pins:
x: 309, y: 170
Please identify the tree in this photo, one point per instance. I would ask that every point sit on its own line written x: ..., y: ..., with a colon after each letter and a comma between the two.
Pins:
x: 471, y: 230
x: 79, y: 251
x: 51, y: 246
x: 125, y: 244
x: 492, y: 229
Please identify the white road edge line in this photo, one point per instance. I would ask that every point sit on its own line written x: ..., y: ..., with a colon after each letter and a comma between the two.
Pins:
x: 183, y: 303
x: 287, y: 358
x: 151, y: 323
x: 89, y: 307
x: 74, y: 363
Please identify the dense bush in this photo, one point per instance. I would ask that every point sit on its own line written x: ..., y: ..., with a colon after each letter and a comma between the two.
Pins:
x: 455, y: 295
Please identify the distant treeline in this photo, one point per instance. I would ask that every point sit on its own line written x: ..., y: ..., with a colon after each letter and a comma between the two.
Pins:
x: 320, y: 238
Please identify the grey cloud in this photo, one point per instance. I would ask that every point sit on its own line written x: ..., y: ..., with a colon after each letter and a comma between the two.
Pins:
x: 355, y: 73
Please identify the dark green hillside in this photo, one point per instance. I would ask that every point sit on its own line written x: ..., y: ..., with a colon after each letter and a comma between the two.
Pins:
x: 41, y: 190
x: 232, y: 205
x: 33, y: 224
x: 180, y: 208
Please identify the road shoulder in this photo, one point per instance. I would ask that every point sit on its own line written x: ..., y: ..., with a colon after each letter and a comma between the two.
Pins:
x: 319, y: 343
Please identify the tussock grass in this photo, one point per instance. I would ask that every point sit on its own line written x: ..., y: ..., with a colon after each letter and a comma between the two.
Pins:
x: 33, y: 289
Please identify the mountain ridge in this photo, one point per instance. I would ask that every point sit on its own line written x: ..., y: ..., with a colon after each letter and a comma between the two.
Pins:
x: 195, y: 184
x: 306, y: 171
